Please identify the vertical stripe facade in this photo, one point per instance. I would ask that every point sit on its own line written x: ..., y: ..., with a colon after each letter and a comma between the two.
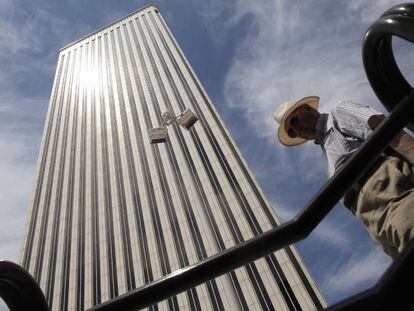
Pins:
x: 111, y: 212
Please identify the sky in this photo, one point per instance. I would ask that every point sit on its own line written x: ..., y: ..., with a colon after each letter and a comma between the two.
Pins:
x: 250, y: 57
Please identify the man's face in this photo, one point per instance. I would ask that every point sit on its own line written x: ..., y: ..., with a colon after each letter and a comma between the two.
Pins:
x: 302, y: 122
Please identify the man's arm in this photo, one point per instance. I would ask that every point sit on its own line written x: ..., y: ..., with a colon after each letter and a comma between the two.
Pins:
x: 352, y: 119
x: 402, y: 143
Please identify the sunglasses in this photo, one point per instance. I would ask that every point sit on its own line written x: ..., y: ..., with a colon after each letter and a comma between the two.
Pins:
x: 291, y: 132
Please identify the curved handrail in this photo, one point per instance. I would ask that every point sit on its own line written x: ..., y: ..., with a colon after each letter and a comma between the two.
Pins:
x: 381, y: 68
x: 19, y: 289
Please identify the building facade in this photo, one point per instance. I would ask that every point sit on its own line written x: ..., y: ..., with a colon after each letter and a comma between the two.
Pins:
x: 112, y: 212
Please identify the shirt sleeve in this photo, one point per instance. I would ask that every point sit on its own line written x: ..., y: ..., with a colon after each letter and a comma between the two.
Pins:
x: 352, y: 119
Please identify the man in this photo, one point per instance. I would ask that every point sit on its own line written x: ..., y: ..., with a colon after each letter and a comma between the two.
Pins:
x: 383, y: 199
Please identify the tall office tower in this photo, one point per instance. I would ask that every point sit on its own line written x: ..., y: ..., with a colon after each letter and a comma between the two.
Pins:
x: 112, y: 212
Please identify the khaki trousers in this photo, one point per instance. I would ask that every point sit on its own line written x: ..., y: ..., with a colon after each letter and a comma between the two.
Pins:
x: 385, y: 205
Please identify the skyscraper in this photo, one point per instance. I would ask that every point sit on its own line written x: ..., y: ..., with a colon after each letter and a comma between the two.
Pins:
x: 112, y: 212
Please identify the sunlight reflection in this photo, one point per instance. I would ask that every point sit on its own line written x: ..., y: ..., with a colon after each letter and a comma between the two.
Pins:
x: 89, y: 78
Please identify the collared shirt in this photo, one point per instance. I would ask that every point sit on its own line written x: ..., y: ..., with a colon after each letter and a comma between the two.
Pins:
x: 342, y: 131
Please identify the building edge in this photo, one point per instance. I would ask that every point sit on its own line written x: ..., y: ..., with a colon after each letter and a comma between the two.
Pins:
x: 149, y: 5
x: 36, y: 172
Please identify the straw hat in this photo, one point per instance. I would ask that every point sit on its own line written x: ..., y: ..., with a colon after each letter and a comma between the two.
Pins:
x: 283, y: 112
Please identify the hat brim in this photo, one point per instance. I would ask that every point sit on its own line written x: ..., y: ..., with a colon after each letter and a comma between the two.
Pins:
x: 283, y: 136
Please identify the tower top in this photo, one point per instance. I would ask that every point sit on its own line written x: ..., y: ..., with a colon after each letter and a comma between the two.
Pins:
x: 145, y: 7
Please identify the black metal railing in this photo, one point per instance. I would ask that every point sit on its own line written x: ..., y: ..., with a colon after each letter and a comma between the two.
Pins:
x: 392, y: 289
x: 19, y: 289
x: 380, y: 66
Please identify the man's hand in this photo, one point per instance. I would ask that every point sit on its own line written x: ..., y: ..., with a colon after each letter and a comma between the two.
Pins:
x: 375, y: 120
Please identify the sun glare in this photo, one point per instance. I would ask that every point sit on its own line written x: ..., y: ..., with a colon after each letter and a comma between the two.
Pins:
x: 90, y: 78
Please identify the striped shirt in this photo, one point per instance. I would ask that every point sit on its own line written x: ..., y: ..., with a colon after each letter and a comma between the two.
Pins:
x: 342, y: 131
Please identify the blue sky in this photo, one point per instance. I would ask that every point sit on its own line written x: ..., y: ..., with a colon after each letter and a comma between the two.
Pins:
x: 250, y: 56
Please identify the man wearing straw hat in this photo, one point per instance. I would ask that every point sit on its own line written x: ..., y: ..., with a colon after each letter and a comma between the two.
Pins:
x: 383, y: 199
